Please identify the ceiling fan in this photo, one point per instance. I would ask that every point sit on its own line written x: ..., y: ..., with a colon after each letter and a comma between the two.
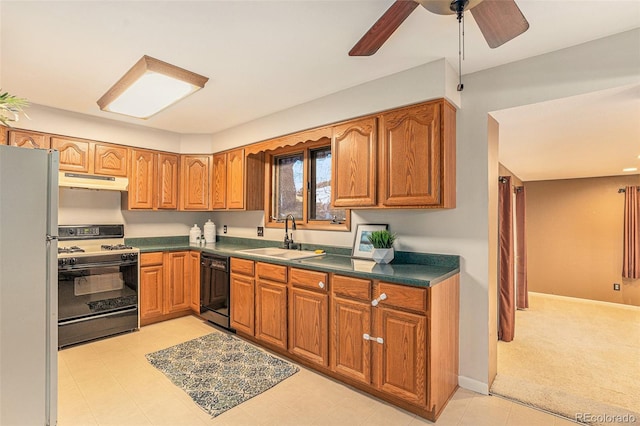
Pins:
x: 498, y: 20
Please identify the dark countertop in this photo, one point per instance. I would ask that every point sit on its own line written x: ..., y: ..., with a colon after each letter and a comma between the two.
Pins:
x: 408, y: 268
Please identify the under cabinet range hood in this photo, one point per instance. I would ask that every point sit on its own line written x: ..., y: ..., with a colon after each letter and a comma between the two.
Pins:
x: 78, y: 180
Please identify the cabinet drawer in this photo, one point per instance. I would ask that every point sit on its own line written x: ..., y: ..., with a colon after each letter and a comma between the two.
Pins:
x: 271, y: 272
x: 148, y: 259
x: 242, y: 266
x: 355, y: 288
x: 400, y: 296
x: 309, y: 279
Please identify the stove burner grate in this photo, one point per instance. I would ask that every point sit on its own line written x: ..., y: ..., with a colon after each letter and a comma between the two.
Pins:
x: 115, y: 247
x: 72, y: 249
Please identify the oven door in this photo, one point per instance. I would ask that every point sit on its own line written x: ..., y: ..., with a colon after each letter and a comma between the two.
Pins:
x: 96, y: 299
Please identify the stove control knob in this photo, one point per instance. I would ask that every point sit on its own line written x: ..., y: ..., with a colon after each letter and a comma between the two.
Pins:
x: 73, y: 261
x: 132, y: 256
x: 123, y: 256
x: 62, y: 262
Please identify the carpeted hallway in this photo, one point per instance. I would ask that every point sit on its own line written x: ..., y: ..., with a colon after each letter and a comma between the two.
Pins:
x: 574, y: 357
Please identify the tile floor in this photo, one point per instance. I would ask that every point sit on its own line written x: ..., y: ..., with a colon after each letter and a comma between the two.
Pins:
x: 109, y: 382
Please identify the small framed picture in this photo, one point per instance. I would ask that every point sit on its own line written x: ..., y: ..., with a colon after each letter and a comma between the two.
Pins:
x: 362, y: 248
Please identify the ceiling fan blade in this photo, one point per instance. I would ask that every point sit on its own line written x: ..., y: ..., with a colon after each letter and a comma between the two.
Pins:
x: 499, y: 21
x: 383, y: 28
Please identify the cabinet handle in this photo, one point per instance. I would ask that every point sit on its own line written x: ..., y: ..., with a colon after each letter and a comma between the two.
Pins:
x: 375, y: 302
x: 365, y: 336
x: 320, y: 284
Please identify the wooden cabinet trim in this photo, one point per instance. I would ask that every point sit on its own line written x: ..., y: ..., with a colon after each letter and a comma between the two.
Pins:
x: 26, y: 139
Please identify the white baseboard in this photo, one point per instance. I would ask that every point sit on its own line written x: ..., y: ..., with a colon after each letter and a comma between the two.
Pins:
x: 473, y: 385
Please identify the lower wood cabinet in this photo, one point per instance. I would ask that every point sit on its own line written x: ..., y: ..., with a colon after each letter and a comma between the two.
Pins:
x: 397, y: 342
x: 165, y: 286
x: 242, y: 295
x: 309, y: 316
x: 194, y: 283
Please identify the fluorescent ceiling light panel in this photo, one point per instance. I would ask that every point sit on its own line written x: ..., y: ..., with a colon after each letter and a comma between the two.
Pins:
x: 630, y: 169
x: 149, y: 87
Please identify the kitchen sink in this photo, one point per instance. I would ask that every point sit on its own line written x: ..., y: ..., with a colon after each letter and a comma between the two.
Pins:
x: 280, y: 253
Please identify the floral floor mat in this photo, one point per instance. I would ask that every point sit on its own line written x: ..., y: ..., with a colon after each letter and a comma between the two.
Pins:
x: 219, y: 371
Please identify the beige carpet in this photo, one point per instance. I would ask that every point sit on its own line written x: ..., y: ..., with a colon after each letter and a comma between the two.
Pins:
x: 574, y: 357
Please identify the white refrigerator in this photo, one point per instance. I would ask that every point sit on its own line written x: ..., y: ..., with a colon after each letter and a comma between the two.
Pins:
x: 28, y: 286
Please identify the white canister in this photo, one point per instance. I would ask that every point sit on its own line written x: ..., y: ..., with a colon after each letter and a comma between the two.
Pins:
x: 194, y: 234
x: 209, y: 232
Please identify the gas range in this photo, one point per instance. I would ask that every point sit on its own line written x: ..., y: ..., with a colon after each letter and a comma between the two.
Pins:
x: 93, y: 243
x: 98, y: 282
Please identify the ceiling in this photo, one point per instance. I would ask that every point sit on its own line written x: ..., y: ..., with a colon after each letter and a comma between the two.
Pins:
x: 261, y: 56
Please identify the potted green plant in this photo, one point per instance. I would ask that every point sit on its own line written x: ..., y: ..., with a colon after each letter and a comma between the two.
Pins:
x: 382, y: 242
x: 10, y: 107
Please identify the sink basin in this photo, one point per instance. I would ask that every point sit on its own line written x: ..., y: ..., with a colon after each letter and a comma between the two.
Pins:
x: 280, y: 253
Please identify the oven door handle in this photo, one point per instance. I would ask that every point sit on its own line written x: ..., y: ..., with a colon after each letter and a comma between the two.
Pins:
x: 97, y: 265
x: 108, y: 314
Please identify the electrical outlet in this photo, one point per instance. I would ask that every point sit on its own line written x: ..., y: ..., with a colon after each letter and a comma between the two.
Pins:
x: 616, y: 287
x: 260, y: 231
x: 224, y: 229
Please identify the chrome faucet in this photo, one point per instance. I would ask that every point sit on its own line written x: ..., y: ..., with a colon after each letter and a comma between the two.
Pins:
x: 288, y: 240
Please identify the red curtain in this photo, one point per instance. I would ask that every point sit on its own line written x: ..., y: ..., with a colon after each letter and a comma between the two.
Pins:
x: 506, y: 299
x: 522, y: 300
x: 631, y: 250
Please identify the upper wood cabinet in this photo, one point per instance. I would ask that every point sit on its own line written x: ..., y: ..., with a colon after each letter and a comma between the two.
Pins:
x: 74, y: 154
x: 153, y: 180
x: 26, y: 139
x: 84, y: 156
x: 167, y: 185
x: 353, y: 150
x: 238, y: 181
x: 195, y: 179
x: 110, y: 160
x: 235, y: 179
x: 141, y: 179
x: 219, y: 182
x: 417, y: 156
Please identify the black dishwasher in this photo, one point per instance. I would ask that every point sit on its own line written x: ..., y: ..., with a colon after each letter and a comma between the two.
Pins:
x: 214, y: 289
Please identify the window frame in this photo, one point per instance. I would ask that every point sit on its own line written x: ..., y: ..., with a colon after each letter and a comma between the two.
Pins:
x: 304, y: 148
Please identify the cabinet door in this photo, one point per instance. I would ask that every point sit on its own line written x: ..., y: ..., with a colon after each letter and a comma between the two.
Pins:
x: 354, y: 164
x: 219, y: 182
x: 110, y: 160
x: 411, y: 156
x: 242, y: 304
x: 401, y: 359
x: 194, y: 185
x: 167, y: 181
x: 194, y: 269
x: 74, y: 154
x: 308, y: 325
x: 177, y: 297
x: 28, y: 139
x: 141, y: 188
x: 235, y: 179
x: 271, y: 313
x: 351, y: 353
x: 151, y: 292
